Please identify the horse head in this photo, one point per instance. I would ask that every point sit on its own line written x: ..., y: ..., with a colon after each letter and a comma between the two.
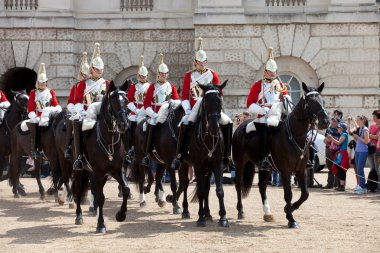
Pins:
x: 21, y: 100
x: 314, y: 106
x: 116, y: 105
x: 212, y: 105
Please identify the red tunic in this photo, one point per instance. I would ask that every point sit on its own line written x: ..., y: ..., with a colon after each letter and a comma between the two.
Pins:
x: 3, y: 97
x: 345, y: 162
x: 72, y: 94
x: 81, y: 87
x: 253, y: 96
x: 149, y: 98
x: 186, y: 93
x: 32, y: 107
x: 131, y: 96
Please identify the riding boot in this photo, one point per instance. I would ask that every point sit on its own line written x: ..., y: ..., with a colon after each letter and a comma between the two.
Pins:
x: 264, y: 148
x: 78, y: 163
x: 227, y: 137
x: 181, y: 148
x: 68, y: 139
x: 33, y: 129
x: 310, y: 162
x: 130, y: 143
x: 148, y: 145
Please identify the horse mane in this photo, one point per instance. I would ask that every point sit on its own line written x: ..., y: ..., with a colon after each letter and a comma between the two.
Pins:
x: 58, y: 117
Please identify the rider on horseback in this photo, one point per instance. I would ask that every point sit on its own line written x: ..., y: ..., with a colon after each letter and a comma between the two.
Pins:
x: 265, y: 102
x: 42, y: 102
x: 191, y: 100
x: 158, y: 94
x: 136, y: 95
x: 83, y: 75
x: 4, y: 105
x: 87, y: 92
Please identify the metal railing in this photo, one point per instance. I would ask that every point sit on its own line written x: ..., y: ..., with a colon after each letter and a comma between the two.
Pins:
x: 136, y: 5
x: 21, y: 4
x: 285, y: 2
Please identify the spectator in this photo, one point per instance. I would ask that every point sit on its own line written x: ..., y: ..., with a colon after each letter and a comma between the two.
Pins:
x: 341, y: 158
x: 245, y: 116
x: 338, y: 114
x: 331, y: 149
x: 361, y: 136
x: 237, y: 120
x: 374, y: 134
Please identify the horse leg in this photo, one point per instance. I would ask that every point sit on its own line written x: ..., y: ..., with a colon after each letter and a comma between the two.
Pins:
x: 93, y: 199
x: 80, y: 185
x: 141, y: 179
x: 173, y: 187
x: 159, y: 190
x: 263, y: 179
x: 100, y: 182
x: 238, y: 182
x: 184, y: 180
x: 304, y: 191
x: 38, y: 165
x: 201, y: 181
x: 288, y: 199
x: 121, y: 214
x: 206, y: 198
x: 150, y: 180
x: 218, y: 174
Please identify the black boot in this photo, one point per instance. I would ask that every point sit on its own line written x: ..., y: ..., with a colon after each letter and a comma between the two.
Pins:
x: 181, y: 147
x: 227, y: 137
x: 33, y: 129
x: 78, y: 163
x: 148, y: 145
x: 310, y: 162
x: 68, y: 139
x: 130, y: 143
x: 264, y: 147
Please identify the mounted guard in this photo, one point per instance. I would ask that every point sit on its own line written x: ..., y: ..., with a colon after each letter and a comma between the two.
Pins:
x: 83, y: 75
x: 88, y: 96
x: 136, y: 96
x: 4, y: 105
x: 156, y: 104
x: 266, y: 102
x: 191, y: 100
x: 42, y: 102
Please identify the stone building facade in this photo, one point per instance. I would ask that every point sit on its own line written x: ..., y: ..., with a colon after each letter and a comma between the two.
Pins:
x: 314, y: 41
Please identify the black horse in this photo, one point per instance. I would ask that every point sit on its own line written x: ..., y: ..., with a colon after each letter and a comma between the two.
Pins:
x: 21, y: 146
x: 206, y: 149
x: 14, y: 114
x: 164, y: 142
x: 289, y: 152
x: 104, y: 152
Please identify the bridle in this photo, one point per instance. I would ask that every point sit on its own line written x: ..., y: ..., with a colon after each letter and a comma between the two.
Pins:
x: 112, y: 113
x: 22, y: 107
x: 200, y: 136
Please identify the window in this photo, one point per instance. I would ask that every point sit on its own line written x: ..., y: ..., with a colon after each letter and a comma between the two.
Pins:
x: 293, y: 86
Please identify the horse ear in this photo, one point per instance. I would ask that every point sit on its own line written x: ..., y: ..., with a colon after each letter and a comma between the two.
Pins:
x: 221, y: 87
x: 126, y: 85
x: 320, y: 88
x: 305, y: 88
x: 179, y: 89
x: 111, y: 87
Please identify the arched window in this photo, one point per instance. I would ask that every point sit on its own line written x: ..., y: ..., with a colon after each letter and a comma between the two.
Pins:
x: 293, y: 86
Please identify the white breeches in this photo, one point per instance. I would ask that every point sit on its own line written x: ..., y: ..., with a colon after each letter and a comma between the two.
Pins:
x: 92, y: 113
x: 272, y: 118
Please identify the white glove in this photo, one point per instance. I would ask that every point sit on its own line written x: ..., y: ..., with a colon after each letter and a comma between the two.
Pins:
x: 155, y: 115
x: 70, y: 107
x: 186, y: 106
x: 149, y: 111
x: 256, y: 109
x: 266, y: 109
x: 137, y: 111
x: 131, y: 106
x: 32, y: 115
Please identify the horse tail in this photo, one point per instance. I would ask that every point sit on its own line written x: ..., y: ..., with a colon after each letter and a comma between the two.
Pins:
x: 194, y: 196
x: 248, y: 173
x: 80, y: 184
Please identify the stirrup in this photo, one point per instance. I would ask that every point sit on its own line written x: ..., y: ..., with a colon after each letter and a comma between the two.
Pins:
x: 37, y: 155
x: 67, y: 153
x: 130, y: 155
x: 78, y: 165
x: 176, y: 163
x: 309, y: 164
x: 265, y: 165
x: 145, y: 161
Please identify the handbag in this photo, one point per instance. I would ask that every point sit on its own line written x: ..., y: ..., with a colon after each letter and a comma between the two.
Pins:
x: 371, y: 148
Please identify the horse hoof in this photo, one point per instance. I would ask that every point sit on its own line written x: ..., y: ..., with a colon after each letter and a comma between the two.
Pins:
x: 201, y: 224
x: 143, y: 204
x: 161, y: 203
x: 146, y: 190
x: 42, y: 197
x: 268, y: 217
x: 16, y: 196
x: 78, y: 221
x: 60, y: 201
x: 177, y: 210
x: 241, y: 216
x: 186, y: 215
x: 101, y: 230
x: 22, y: 192
x: 120, y: 216
x: 169, y: 198
x: 223, y: 223
x: 208, y: 218
x: 293, y: 224
x: 92, y: 211
x: 71, y: 206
